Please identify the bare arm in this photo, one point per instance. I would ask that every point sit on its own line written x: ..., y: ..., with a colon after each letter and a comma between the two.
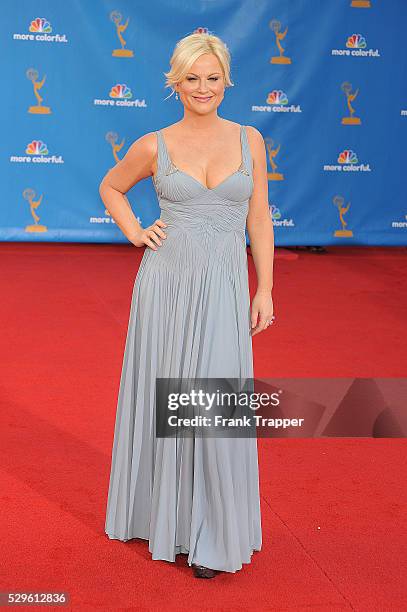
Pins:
x: 136, y: 165
x: 259, y: 223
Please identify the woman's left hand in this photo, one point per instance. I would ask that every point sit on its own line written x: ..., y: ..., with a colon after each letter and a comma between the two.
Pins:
x: 262, y: 309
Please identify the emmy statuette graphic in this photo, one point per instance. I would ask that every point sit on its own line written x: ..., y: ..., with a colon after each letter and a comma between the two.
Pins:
x: 272, y: 153
x: 29, y: 194
x: 116, y: 17
x: 275, y: 25
x: 39, y: 109
x: 338, y: 201
x: 112, y: 138
x: 347, y: 90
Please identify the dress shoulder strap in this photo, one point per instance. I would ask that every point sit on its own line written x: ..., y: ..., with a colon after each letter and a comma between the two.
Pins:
x: 163, y: 158
x: 246, y: 153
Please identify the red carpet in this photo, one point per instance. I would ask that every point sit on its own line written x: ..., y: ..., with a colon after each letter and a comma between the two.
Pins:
x: 334, y: 510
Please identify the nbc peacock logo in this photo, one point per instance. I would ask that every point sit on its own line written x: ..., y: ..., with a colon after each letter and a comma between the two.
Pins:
x: 36, y: 152
x: 40, y: 30
x: 277, y: 218
x: 40, y: 25
x: 356, y: 46
x: 274, y: 212
x: 37, y: 147
x: 277, y: 102
x: 347, y: 161
x: 277, y: 97
x: 121, y: 92
x: 347, y: 157
x: 120, y: 95
x: 356, y: 41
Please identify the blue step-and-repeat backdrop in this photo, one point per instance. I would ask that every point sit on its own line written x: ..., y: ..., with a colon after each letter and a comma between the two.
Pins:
x: 323, y: 80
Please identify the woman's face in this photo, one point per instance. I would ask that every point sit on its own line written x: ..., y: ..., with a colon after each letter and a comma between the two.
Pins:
x: 203, y: 88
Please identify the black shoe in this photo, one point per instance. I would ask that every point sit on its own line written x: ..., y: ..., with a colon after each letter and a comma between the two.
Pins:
x: 203, y: 572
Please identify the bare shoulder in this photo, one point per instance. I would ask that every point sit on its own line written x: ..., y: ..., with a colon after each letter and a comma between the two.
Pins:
x: 145, y: 144
x: 254, y: 137
x: 143, y: 152
x: 143, y: 149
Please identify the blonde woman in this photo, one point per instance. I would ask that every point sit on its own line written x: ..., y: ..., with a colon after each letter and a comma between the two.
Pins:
x: 190, y: 317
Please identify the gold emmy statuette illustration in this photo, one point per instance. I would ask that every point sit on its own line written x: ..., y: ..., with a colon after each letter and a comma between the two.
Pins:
x: 276, y: 27
x: 32, y: 75
x: 347, y: 90
x: 116, y: 17
x: 112, y: 138
x: 342, y: 210
x: 272, y: 152
x: 29, y: 194
x: 360, y: 4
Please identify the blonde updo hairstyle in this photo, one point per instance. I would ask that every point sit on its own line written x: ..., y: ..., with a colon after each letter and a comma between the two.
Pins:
x: 187, y: 51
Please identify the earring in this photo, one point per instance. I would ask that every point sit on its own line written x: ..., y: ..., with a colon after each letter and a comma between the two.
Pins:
x: 176, y: 96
